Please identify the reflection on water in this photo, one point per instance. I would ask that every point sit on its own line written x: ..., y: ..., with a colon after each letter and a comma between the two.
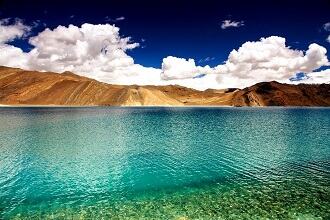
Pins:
x: 228, y: 163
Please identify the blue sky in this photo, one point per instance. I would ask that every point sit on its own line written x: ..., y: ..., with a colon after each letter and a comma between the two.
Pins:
x: 190, y: 29
x: 197, y: 44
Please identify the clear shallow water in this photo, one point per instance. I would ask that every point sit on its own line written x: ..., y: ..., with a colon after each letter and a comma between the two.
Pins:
x: 165, y: 163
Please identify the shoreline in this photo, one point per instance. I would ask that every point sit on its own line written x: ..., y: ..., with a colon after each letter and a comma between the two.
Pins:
x: 151, y: 106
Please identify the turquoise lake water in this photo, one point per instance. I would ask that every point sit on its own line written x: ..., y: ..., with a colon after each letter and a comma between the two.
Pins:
x: 165, y: 163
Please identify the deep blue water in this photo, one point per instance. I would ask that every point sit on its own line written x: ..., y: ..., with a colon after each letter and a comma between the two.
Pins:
x: 186, y: 163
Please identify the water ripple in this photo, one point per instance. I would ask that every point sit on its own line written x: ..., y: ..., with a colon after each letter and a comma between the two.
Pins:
x: 155, y: 162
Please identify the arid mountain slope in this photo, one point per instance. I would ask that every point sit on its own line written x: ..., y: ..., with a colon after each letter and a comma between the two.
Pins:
x: 277, y: 94
x: 20, y: 87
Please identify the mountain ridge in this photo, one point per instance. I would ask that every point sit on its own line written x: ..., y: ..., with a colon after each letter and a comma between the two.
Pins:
x: 22, y: 87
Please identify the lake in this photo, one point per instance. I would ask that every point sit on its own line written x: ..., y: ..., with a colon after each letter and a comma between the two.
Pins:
x: 165, y: 163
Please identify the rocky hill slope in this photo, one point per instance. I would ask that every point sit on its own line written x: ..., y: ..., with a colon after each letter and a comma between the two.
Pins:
x: 20, y: 87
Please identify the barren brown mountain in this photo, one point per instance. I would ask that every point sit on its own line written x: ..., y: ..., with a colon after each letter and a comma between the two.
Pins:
x: 20, y: 87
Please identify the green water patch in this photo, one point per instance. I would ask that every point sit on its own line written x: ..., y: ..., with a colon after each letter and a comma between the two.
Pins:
x: 164, y: 163
x: 275, y: 200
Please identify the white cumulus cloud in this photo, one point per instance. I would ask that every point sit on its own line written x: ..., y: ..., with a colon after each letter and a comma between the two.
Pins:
x: 180, y: 68
x: 99, y: 52
x: 317, y: 77
x: 9, y: 32
x: 326, y: 26
x: 270, y: 59
x: 264, y: 60
x: 229, y: 23
x: 78, y: 49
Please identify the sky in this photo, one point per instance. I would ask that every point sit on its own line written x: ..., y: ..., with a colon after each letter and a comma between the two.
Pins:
x: 199, y: 44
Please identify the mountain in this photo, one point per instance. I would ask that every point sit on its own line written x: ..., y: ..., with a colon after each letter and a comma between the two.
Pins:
x: 278, y: 94
x: 21, y: 87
